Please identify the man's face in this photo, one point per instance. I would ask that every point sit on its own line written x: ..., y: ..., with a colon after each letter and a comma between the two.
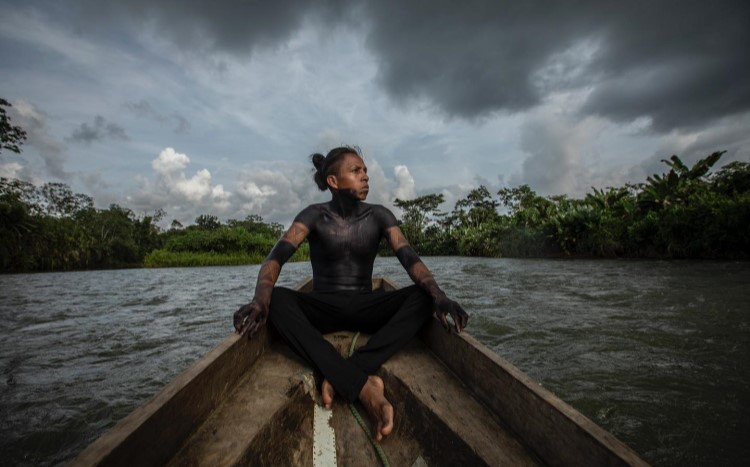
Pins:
x: 352, y: 177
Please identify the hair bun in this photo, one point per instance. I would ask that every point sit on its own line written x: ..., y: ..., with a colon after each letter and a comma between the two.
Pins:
x: 318, y: 160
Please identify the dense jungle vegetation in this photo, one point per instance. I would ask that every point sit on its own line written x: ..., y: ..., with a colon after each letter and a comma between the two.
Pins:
x: 50, y: 228
x: 687, y: 212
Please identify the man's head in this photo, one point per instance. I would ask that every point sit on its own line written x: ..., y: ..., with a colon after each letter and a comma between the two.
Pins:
x: 342, y: 170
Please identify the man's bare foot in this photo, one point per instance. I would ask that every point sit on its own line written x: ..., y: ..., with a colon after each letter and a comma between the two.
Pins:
x: 327, y: 393
x: 373, y: 398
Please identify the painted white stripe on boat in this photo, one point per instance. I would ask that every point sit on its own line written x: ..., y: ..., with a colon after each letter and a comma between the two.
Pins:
x: 324, y: 439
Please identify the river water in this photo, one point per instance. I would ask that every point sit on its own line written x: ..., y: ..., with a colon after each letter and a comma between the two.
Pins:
x: 657, y: 352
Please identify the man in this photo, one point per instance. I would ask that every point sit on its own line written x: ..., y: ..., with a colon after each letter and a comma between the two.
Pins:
x: 344, y: 235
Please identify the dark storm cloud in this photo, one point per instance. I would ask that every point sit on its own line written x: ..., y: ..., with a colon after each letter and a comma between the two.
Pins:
x: 679, y: 63
x: 99, y: 131
x: 235, y: 26
x: 472, y: 59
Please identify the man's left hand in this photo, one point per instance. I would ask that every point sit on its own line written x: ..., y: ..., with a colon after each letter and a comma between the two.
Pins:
x: 445, y: 306
x: 250, y: 318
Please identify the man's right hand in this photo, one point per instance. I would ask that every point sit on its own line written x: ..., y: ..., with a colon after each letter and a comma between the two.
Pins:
x: 250, y: 318
x: 445, y: 306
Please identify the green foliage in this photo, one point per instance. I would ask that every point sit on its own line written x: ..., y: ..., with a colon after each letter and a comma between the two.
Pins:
x: 686, y: 213
x: 165, y: 259
x: 732, y: 180
x: 207, y: 222
x: 11, y: 136
x: 417, y: 215
x: 526, y: 208
x: 255, y: 224
x: 219, y: 240
x: 51, y: 228
x: 476, y: 210
x: 678, y: 185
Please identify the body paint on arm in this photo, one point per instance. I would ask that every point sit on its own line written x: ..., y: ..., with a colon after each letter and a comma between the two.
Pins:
x: 280, y: 254
x: 411, y: 262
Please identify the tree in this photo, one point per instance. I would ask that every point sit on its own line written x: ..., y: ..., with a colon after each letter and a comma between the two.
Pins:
x: 418, y: 210
x: 733, y: 179
x: 207, y: 222
x: 676, y: 186
x: 11, y: 137
x: 254, y: 223
x: 59, y: 200
x: 477, y: 208
x: 419, y: 226
x: 474, y: 222
x: 517, y: 199
x: 528, y: 209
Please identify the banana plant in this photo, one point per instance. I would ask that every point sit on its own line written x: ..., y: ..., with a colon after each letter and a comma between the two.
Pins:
x: 675, y: 187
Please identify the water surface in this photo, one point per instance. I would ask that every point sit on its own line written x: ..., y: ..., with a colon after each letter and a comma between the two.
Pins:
x: 654, y: 351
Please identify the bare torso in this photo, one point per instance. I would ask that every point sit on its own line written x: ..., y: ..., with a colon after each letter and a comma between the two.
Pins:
x: 343, y: 248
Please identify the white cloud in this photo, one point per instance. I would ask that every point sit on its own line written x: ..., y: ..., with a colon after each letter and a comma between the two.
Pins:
x: 221, y: 198
x: 405, y: 183
x: 195, y: 188
x: 184, y: 198
x: 255, y: 196
x: 380, y: 186
x: 277, y: 192
x: 170, y: 162
x: 558, y: 149
x: 11, y: 170
x: 170, y: 166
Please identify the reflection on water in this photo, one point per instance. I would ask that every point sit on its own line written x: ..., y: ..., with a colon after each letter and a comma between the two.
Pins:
x: 656, y: 352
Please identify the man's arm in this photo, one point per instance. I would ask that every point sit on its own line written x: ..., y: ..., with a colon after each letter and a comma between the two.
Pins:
x: 422, y: 276
x: 251, y: 317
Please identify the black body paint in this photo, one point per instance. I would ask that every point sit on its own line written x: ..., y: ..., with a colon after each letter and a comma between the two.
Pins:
x: 344, y: 239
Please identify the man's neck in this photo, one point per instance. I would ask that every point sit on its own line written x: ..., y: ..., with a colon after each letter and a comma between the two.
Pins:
x: 344, y: 204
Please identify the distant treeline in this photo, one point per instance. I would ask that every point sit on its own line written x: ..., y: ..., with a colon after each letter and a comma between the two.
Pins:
x: 50, y: 228
x: 687, y: 212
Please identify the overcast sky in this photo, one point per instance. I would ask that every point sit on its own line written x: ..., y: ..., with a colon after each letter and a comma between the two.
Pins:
x: 214, y: 107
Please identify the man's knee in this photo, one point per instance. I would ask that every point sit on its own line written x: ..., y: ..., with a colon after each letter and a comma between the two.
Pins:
x: 418, y: 298
x: 281, y: 301
x: 281, y: 294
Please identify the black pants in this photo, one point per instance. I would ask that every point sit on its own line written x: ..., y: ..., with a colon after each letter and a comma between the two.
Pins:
x: 392, y: 318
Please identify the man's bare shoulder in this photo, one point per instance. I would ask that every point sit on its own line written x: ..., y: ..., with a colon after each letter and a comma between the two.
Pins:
x: 384, y: 215
x: 310, y: 214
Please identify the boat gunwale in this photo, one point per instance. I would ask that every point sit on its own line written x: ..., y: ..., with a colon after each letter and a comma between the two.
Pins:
x: 531, y: 411
x: 579, y: 439
x: 204, y: 384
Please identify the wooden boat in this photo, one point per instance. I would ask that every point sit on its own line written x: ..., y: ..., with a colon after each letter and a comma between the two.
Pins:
x: 252, y: 402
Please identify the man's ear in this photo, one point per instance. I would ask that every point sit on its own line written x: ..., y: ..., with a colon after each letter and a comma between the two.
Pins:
x: 332, y: 182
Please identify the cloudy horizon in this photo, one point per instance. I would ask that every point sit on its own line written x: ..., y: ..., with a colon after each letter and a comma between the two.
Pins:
x: 198, y: 107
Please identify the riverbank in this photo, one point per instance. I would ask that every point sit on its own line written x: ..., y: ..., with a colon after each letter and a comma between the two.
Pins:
x: 171, y: 259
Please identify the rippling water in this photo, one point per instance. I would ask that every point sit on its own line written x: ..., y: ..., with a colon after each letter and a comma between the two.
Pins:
x: 656, y: 352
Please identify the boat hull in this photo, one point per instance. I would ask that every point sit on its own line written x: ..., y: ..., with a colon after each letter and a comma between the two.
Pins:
x: 250, y: 402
